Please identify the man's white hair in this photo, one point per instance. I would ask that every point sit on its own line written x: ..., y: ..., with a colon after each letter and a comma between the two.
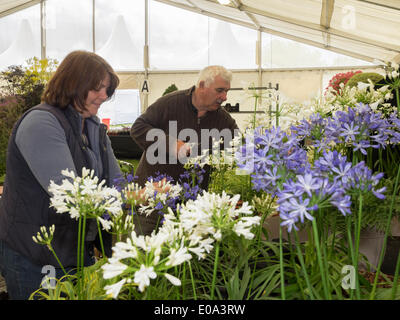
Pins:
x: 209, y: 73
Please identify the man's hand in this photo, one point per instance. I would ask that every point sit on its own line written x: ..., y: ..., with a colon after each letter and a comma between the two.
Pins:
x: 182, y: 149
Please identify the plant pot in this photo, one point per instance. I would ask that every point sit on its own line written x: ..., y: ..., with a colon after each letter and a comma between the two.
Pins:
x: 124, y: 146
x: 371, y: 242
x: 145, y: 225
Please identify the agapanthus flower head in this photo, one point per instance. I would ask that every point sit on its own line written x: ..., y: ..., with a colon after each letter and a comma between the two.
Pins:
x: 193, y: 175
x: 43, y: 237
x: 212, y: 215
x: 142, y: 258
x: 143, y: 276
x: 271, y: 156
x: 85, y: 195
x: 159, y: 177
x: 123, y: 180
x: 363, y: 180
x: 331, y: 182
x: 158, y: 195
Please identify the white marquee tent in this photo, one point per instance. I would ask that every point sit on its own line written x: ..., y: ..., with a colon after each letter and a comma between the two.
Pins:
x: 24, y: 45
x: 364, y: 29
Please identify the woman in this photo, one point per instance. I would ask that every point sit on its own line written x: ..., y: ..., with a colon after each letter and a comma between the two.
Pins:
x: 61, y: 133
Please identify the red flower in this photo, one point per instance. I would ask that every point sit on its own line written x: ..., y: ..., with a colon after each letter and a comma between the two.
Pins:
x: 339, y: 78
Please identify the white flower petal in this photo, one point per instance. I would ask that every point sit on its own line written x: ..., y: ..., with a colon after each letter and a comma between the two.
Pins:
x: 174, y: 280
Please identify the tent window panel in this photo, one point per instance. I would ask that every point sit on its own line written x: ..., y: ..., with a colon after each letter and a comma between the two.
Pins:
x: 284, y: 53
x: 123, y: 108
x: 178, y: 38
x: 20, y: 37
x: 231, y: 45
x: 68, y: 27
x: 120, y: 33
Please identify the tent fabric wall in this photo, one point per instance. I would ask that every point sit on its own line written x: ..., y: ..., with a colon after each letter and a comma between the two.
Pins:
x: 298, y: 87
x: 367, y: 30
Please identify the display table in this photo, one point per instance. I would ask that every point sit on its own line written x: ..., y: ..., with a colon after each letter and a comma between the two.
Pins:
x: 124, y: 146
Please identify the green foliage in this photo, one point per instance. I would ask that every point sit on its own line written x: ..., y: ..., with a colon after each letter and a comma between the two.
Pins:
x: 170, y: 89
x: 363, y: 77
x: 10, y: 110
x: 374, y: 213
x: 20, y: 89
x: 66, y: 289
x: 128, y: 166
x: 28, y: 82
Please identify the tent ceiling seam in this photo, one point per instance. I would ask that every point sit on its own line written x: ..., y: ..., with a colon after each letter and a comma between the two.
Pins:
x: 317, y: 27
x: 238, y: 4
x: 376, y: 3
x: 326, y: 13
x: 20, y: 7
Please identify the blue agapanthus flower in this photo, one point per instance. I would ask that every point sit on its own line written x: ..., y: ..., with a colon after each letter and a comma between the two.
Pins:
x: 279, y: 166
x: 271, y: 157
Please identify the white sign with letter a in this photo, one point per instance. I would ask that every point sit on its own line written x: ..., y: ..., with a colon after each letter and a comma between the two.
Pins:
x: 145, y: 87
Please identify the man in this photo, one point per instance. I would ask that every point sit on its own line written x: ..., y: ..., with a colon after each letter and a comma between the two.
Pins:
x: 196, y: 113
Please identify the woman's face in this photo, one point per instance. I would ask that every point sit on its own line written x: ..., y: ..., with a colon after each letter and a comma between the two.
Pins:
x: 95, y: 98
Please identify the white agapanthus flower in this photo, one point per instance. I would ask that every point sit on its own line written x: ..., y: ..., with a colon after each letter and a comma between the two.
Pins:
x: 364, y: 92
x: 113, y: 268
x: 174, y: 280
x: 177, y: 257
x: 195, y: 228
x: 43, y: 237
x: 211, y: 214
x: 124, y: 250
x: 143, y: 276
x: 85, y: 195
x: 114, y: 289
x: 243, y: 227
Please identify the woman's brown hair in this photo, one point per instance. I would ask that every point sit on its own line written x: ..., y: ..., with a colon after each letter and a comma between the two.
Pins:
x: 77, y: 74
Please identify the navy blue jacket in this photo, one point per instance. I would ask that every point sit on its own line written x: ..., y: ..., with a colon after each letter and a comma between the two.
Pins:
x: 25, y: 203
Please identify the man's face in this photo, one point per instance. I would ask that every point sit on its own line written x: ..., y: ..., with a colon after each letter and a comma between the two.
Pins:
x: 214, y: 95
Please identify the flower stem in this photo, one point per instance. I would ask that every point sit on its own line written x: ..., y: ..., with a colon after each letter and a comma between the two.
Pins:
x: 295, y: 268
x: 281, y: 264
x: 321, y: 265
x: 357, y: 244
x: 192, y: 278
x: 259, y: 232
x: 82, y: 258
x: 397, y: 100
x: 300, y: 256
x: 55, y: 256
x: 396, y: 278
x: 387, y: 227
x: 350, y: 244
x: 78, y: 256
x: 215, y: 270
x: 101, y: 239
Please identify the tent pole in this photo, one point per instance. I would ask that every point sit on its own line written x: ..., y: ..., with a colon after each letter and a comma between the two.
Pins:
x: 43, y: 29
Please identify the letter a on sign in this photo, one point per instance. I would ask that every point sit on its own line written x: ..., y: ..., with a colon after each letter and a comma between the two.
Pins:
x: 145, y: 87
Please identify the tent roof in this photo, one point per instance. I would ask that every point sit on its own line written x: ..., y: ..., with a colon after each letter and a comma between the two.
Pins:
x: 10, y: 6
x: 364, y: 29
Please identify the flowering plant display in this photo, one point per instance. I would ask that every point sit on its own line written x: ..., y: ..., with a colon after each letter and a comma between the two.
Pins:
x: 330, y: 175
x: 339, y: 80
x: 194, y: 231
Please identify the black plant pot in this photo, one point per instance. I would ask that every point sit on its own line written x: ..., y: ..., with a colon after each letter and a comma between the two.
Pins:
x: 124, y: 146
x: 391, y: 254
